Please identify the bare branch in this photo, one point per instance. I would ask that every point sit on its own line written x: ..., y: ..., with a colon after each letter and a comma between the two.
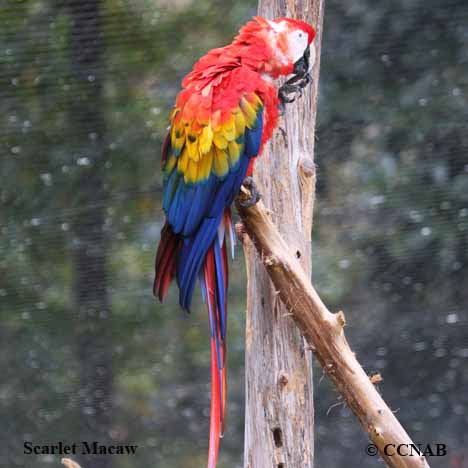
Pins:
x: 324, y: 333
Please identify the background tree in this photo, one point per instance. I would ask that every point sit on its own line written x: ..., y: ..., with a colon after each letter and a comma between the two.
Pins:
x: 93, y: 340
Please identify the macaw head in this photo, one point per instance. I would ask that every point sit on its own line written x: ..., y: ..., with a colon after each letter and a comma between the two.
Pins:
x: 277, y: 47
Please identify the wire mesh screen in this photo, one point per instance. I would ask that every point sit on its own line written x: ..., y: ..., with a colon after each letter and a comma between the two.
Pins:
x: 87, y: 352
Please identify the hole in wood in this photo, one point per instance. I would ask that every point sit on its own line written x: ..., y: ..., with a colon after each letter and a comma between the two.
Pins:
x: 283, y: 380
x: 298, y: 254
x: 278, y: 438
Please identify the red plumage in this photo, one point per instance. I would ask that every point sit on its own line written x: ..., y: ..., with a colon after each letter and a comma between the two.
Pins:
x: 217, y: 408
x: 165, y: 262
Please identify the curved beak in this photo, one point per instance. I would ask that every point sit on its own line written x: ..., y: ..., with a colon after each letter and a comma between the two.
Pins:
x: 301, y: 67
x: 299, y: 80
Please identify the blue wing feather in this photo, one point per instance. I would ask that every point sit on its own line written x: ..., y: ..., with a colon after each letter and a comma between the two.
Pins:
x: 203, y: 194
x: 192, y: 256
x: 195, y: 211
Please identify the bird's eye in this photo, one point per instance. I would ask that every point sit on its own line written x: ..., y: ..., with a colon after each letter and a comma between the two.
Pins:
x: 300, y: 34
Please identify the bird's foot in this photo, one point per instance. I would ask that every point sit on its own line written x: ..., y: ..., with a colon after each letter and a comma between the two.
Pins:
x: 255, y: 194
x: 293, y: 88
x: 287, y: 94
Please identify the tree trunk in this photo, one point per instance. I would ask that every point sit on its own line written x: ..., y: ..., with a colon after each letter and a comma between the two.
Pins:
x: 92, y: 327
x: 279, y: 404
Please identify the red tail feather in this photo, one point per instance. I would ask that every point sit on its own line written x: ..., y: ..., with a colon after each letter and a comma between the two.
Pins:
x: 215, y: 409
x: 224, y: 346
x: 215, y: 285
x: 165, y: 262
x: 218, y: 350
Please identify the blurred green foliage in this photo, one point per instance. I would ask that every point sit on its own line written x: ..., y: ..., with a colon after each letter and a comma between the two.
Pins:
x: 390, y: 235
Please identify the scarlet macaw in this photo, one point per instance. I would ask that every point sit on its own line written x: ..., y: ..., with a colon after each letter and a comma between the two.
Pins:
x: 226, y: 111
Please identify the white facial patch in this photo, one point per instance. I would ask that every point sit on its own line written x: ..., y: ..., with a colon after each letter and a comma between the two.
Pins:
x: 312, y: 56
x: 297, y: 44
x: 297, y: 41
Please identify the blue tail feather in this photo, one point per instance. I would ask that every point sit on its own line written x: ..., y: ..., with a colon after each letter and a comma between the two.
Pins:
x: 214, y: 332
x: 220, y: 286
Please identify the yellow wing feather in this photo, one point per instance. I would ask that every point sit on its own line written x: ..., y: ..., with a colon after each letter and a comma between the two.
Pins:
x: 206, y: 139
x: 201, y: 145
x: 220, y: 163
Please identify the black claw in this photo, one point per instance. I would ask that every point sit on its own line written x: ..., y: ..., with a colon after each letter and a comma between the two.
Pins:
x: 255, y: 195
x: 284, y: 93
x: 295, y: 85
x: 293, y: 88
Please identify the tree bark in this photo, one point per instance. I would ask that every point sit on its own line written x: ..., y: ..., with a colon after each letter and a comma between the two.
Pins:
x: 279, y: 404
x: 92, y: 324
x: 325, y: 336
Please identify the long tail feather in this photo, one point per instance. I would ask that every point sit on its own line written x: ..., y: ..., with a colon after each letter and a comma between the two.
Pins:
x: 214, y: 283
x: 215, y: 409
x: 215, y: 292
x: 224, y: 344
